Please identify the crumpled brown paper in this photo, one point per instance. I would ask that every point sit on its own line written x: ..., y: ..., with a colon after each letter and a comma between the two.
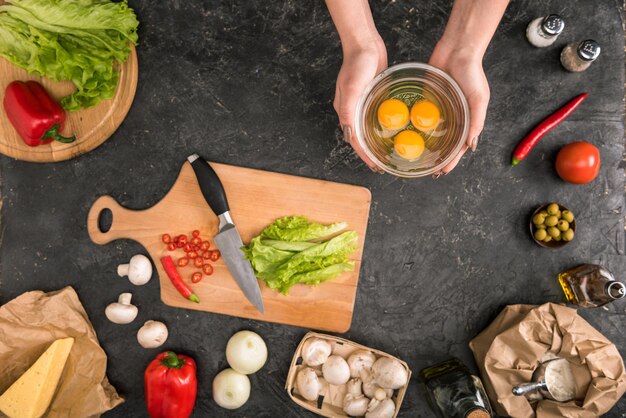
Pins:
x: 509, y: 349
x: 29, y: 324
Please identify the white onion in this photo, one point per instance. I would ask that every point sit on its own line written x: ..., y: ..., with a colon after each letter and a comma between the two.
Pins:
x: 231, y: 389
x: 246, y: 352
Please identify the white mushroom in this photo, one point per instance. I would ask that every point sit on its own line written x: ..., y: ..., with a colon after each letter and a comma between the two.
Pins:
x: 138, y: 270
x: 152, y: 334
x: 389, y: 373
x: 336, y: 370
x: 308, y: 384
x: 381, y: 393
x: 315, y: 351
x: 370, y: 388
x: 359, y: 360
x: 354, y: 403
x: 122, y: 311
x: 381, y: 409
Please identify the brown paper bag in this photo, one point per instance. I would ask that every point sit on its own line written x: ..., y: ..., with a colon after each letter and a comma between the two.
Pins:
x: 508, y: 351
x: 29, y: 324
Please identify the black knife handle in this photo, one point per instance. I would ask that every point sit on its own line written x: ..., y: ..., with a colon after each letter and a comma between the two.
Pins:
x: 210, y: 184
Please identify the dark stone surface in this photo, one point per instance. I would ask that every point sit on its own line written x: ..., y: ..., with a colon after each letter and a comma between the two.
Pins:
x: 251, y: 84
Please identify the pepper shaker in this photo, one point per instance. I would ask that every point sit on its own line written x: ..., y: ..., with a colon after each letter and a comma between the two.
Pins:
x: 577, y: 57
x: 543, y: 31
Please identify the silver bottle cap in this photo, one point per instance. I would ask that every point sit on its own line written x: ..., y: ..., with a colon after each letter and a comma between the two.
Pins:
x: 588, y: 50
x: 616, y: 290
x: 553, y: 25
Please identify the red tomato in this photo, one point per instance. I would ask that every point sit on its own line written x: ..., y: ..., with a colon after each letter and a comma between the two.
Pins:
x: 578, y: 162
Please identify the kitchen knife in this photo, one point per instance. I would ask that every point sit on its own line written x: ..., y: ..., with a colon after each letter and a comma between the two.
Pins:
x: 227, y: 239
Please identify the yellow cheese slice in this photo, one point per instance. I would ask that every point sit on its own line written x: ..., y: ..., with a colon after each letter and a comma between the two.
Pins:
x: 31, y: 394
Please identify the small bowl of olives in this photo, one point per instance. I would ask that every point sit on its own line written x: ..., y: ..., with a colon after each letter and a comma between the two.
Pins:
x: 553, y: 226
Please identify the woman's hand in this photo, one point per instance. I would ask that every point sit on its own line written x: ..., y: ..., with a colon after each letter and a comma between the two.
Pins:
x: 465, y: 66
x: 359, y: 67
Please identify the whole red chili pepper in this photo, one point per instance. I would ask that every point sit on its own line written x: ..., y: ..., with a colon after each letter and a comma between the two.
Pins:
x: 177, y: 280
x: 528, y: 143
x: 170, y: 386
x: 34, y: 114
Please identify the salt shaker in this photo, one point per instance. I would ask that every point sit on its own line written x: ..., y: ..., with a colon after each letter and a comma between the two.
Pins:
x: 544, y: 30
x: 577, y: 57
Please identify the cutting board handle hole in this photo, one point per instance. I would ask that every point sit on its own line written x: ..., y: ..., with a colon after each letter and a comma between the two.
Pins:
x: 105, y: 220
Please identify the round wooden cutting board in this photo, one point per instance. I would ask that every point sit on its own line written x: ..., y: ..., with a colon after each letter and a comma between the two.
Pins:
x: 92, y: 126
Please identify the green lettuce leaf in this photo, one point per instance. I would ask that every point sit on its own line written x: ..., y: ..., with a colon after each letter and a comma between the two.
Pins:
x: 299, y: 228
x: 78, y: 40
x: 282, y: 264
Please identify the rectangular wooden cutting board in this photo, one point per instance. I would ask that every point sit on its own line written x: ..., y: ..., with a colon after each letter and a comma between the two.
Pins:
x: 256, y: 198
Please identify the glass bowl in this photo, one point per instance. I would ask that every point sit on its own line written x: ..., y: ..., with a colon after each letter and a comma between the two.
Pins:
x: 412, y: 82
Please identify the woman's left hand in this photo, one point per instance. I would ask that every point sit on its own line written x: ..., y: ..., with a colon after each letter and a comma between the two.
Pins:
x: 465, y: 66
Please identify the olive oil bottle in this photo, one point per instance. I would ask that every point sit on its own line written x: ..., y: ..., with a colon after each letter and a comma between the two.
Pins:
x: 453, y: 392
x: 590, y: 286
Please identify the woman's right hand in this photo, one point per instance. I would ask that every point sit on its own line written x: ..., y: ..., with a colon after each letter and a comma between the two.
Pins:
x: 360, y: 65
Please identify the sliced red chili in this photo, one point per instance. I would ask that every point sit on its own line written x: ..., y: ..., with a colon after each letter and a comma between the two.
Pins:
x: 215, y: 255
x: 182, y: 262
x: 166, y: 238
x: 192, y: 254
x: 171, y: 246
x: 195, y: 233
x: 196, y: 277
x: 196, y: 241
x: 205, y: 245
x: 207, y: 269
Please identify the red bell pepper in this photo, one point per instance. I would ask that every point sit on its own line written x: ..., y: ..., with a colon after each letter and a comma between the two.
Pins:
x: 34, y: 114
x: 170, y: 386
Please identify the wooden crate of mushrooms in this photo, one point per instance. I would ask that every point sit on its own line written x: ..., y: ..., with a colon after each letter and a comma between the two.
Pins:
x: 334, y: 377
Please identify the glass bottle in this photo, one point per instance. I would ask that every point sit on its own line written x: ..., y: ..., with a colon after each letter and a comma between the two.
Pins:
x: 453, y: 392
x: 590, y: 286
x: 543, y: 31
x: 577, y: 57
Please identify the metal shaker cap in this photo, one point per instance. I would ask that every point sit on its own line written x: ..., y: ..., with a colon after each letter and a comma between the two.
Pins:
x: 553, y: 25
x: 616, y: 290
x: 588, y: 50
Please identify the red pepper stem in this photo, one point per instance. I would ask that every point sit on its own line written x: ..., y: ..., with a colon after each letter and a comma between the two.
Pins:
x: 53, y: 133
x: 172, y: 361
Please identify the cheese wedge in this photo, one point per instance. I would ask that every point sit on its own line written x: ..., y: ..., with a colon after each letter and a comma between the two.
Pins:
x: 31, y: 394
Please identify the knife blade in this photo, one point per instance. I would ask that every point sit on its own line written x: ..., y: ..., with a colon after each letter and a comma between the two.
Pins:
x: 228, y: 240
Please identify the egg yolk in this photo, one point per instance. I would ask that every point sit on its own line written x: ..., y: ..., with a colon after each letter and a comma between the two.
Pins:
x: 409, y: 144
x: 425, y: 115
x: 393, y: 114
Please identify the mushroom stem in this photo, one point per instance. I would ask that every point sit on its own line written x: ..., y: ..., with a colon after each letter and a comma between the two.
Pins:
x: 122, y: 270
x: 125, y: 298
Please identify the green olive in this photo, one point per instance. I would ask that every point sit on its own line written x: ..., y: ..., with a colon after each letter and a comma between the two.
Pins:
x: 563, y: 225
x: 542, y: 226
x: 544, y: 213
x: 540, y: 234
x: 548, y: 238
x: 568, y: 216
x: 558, y: 214
x: 539, y: 219
x: 554, y: 232
x: 552, y: 209
x: 568, y: 235
x: 558, y: 239
x: 551, y: 220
